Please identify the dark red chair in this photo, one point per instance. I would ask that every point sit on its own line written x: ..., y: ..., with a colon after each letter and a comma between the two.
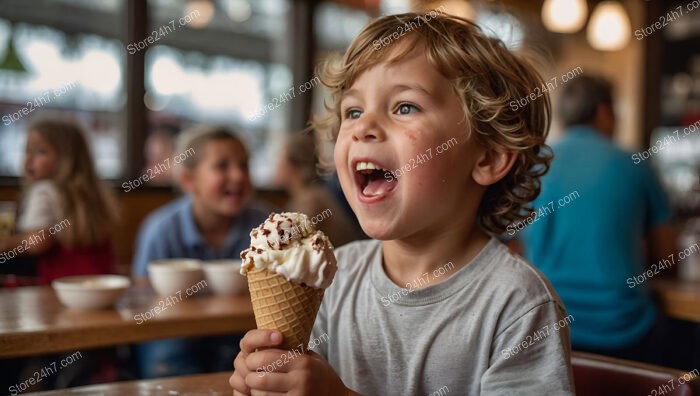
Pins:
x: 596, y: 375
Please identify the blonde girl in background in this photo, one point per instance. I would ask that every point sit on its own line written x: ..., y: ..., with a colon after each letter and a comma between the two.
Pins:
x: 66, y: 212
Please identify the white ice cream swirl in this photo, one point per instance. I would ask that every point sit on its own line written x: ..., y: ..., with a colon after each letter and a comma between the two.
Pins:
x: 289, y: 244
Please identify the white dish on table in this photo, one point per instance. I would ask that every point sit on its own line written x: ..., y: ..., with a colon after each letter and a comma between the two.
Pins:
x: 90, y: 291
x: 170, y: 276
x: 224, y: 277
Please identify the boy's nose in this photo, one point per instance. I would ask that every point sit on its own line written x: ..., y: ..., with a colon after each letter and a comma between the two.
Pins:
x: 368, y: 130
x: 238, y: 172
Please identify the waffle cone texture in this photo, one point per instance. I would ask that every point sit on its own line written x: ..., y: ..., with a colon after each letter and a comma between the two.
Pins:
x: 285, y: 306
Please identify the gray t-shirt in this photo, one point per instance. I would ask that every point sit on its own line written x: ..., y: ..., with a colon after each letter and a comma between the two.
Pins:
x: 494, y: 327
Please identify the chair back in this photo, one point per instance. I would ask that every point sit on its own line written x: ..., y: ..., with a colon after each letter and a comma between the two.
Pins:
x: 597, y: 375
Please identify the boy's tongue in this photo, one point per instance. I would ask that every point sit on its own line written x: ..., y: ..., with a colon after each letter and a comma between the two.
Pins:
x: 378, y: 186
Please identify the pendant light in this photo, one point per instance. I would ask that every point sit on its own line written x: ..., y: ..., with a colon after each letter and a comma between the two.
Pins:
x: 609, y: 28
x: 564, y: 16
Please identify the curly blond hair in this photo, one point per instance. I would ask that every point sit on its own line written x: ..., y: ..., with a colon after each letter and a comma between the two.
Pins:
x: 487, y: 78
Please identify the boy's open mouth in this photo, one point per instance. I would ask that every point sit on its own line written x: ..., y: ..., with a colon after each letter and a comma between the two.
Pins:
x: 374, y: 180
x: 234, y: 192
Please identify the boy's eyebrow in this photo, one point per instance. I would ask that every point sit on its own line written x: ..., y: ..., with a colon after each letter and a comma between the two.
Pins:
x: 411, y: 87
x: 349, y: 92
x: 396, y: 88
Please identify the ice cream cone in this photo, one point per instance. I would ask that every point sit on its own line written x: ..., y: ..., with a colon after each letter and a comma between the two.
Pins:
x: 283, y: 305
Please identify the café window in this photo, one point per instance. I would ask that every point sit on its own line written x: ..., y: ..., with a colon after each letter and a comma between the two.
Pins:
x: 220, y: 63
x: 69, y: 57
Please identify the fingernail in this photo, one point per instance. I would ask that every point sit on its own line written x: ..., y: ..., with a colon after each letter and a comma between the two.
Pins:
x: 275, y: 336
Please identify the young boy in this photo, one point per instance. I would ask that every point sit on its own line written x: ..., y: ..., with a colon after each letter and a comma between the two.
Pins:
x: 212, y: 221
x: 434, y: 163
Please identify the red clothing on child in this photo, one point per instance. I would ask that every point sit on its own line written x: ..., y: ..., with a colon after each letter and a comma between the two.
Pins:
x: 61, y: 261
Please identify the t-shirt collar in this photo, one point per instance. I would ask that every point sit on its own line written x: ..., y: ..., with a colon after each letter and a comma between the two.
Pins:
x: 417, y: 296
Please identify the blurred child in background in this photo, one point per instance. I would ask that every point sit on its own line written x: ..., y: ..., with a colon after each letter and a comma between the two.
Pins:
x: 66, y: 213
x: 297, y: 173
x: 212, y: 221
x: 65, y: 216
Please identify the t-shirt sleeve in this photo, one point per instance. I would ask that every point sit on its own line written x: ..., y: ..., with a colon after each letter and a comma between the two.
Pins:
x: 658, y: 207
x: 150, y: 245
x: 532, y: 355
x: 40, y: 208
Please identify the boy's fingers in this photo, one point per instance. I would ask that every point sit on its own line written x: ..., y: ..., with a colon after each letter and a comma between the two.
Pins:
x: 238, y: 384
x: 268, y: 361
x: 273, y: 383
x: 240, y: 366
x: 259, y: 338
x: 265, y: 393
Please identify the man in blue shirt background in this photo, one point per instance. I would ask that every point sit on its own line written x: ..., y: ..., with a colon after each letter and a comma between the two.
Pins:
x: 595, y: 212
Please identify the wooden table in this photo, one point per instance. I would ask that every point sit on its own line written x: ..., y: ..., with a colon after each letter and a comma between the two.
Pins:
x: 34, y: 322
x: 207, y: 384
x: 680, y: 300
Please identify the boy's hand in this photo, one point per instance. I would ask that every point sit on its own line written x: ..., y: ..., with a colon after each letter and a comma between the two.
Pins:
x: 276, y: 371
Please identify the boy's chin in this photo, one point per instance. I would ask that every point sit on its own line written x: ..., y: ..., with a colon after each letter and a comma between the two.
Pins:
x: 230, y: 210
x: 377, y: 230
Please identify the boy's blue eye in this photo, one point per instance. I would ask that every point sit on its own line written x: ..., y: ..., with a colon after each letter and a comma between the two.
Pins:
x: 353, y: 114
x: 406, y: 108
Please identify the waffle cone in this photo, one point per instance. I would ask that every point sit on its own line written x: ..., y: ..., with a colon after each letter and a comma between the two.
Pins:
x: 283, y: 305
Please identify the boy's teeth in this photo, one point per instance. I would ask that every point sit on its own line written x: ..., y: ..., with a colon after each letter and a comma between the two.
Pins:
x: 366, y: 166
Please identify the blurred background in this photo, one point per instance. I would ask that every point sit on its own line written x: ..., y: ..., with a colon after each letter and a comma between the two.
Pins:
x: 235, y: 56
x: 138, y: 72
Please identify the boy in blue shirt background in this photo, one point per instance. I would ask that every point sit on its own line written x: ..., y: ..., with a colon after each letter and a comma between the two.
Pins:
x: 212, y: 221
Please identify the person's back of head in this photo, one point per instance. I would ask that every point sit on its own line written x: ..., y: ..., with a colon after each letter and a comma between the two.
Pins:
x: 587, y: 100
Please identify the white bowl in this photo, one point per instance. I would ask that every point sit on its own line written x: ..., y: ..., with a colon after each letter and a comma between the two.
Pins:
x: 90, y: 291
x: 170, y: 276
x: 224, y: 277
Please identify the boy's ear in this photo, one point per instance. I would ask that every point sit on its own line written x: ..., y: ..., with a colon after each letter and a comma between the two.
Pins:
x: 492, y: 166
x: 186, y: 180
